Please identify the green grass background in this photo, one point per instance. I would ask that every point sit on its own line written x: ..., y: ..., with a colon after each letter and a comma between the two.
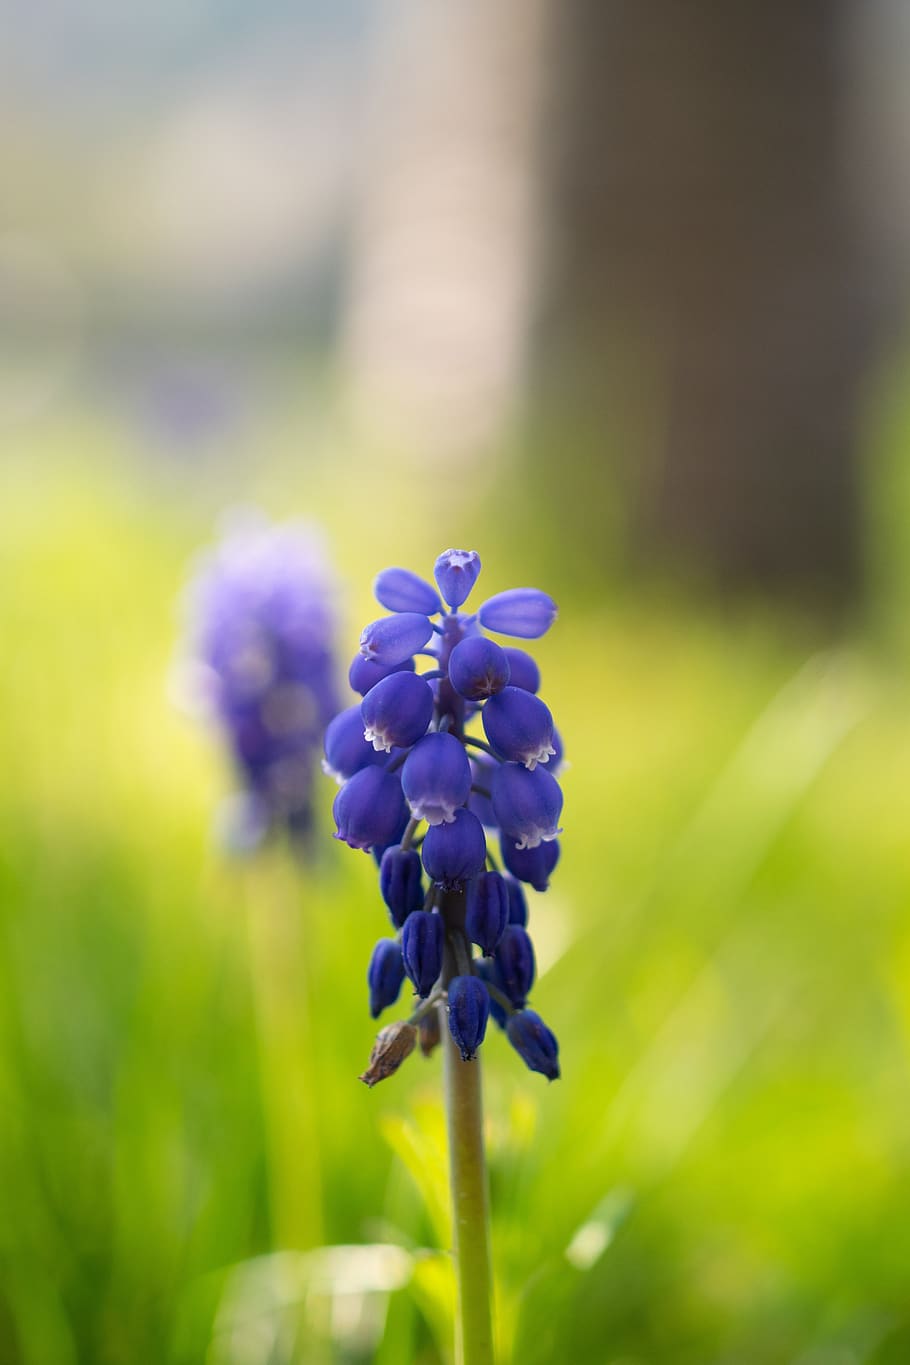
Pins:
x: 723, y: 1173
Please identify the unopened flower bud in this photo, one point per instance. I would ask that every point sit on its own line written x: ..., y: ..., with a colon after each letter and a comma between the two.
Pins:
x: 523, y: 670
x: 515, y: 959
x: 400, y: 883
x: 370, y: 809
x: 422, y: 942
x: 456, y: 572
x: 478, y: 667
x: 454, y: 853
x: 393, y: 1045
x: 518, y: 905
x: 523, y: 612
x: 534, y: 1043
x: 469, y: 1010
x: 400, y: 590
x: 392, y: 639
x: 436, y: 778
x: 519, y: 726
x: 527, y: 805
x: 385, y: 975
x: 397, y: 711
x: 487, y: 912
x: 346, y: 750
x: 364, y: 674
x: 531, y: 865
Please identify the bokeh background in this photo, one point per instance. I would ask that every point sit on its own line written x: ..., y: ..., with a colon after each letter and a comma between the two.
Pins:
x: 616, y: 294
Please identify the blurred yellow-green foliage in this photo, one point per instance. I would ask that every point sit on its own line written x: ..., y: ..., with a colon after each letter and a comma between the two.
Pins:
x: 722, y: 1172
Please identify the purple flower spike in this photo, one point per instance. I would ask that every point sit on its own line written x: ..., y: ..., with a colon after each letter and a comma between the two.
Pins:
x: 369, y: 809
x: 519, y: 726
x: 422, y: 942
x: 397, y: 711
x: 517, y: 968
x: 384, y: 975
x: 478, y: 667
x: 400, y: 883
x: 456, y: 572
x: 346, y: 750
x: 469, y: 1010
x: 456, y: 852
x: 393, y: 639
x: 436, y: 778
x: 534, y: 1043
x: 527, y: 805
x: 364, y: 674
x: 522, y: 612
x: 532, y: 865
x: 401, y: 590
x: 259, y: 660
x: 487, y: 912
x: 523, y: 669
x: 448, y: 799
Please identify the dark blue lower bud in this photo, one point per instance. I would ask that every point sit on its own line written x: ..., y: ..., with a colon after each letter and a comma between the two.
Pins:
x: 487, y: 912
x: 515, y: 959
x: 518, y: 905
x: 531, y: 865
x: 422, y: 941
x: 534, y: 1043
x: 455, y: 852
x: 400, y: 883
x: 469, y: 1010
x: 370, y: 809
x: 384, y: 975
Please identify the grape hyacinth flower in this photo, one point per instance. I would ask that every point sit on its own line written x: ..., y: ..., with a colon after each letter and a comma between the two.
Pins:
x: 260, y: 641
x: 449, y: 749
x: 464, y: 745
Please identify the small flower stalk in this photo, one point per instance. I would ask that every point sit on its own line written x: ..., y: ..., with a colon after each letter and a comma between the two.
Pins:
x: 449, y: 753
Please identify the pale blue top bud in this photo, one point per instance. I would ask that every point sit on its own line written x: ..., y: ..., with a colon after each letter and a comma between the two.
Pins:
x: 456, y: 572
x: 393, y: 639
x: 401, y: 590
x: 523, y: 612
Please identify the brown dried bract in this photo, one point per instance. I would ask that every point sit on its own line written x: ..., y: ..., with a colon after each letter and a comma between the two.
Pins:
x: 393, y: 1044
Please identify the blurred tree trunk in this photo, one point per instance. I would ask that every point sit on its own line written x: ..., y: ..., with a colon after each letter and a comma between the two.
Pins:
x: 711, y: 284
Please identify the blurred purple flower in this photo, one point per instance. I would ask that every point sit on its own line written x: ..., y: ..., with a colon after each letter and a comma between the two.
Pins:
x: 260, y: 660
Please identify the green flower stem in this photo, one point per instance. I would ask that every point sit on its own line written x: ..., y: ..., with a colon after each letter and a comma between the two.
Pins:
x: 280, y: 997
x: 468, y: 1173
